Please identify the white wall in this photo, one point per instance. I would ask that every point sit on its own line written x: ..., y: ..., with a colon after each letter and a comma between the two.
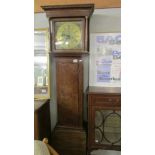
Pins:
x: 40, y: 20
x: 102, y: 20
x: 106, y: 20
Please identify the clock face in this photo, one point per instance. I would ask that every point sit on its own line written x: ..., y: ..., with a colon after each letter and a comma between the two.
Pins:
x: 68, y: 35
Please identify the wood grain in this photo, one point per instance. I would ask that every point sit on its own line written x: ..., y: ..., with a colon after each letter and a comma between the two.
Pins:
x: 69, y: 141
x: 68, y: 92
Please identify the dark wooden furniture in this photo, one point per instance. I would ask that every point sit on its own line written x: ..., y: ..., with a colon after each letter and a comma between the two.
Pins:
x: 71, y: 69
x: 42, y: 125
x: 104, y: 118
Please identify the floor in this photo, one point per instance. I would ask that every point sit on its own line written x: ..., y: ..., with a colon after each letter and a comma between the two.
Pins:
x: 105, y: 152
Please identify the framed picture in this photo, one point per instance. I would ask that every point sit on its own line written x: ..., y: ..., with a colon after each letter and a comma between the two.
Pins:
x: 105, y: 59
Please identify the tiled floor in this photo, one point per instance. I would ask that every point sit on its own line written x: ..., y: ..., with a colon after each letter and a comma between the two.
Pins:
x: 105, y: 152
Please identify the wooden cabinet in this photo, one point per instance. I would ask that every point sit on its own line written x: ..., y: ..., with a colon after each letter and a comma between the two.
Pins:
x: 69, y: 82
x: 104, y: 118
x: 42, y: 125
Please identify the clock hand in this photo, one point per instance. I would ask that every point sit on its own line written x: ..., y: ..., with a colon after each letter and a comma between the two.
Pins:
x: 65, y: 36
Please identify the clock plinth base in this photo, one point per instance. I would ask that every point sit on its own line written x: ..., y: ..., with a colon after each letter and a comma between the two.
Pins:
x: 69, y: 141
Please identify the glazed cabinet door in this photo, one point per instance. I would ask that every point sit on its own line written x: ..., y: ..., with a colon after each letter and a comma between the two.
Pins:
x: 69, y: 81
x: 107, y: 127
x: 105, y: 130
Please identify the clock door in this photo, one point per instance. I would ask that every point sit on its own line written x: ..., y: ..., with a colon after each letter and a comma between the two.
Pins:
x: 69, y: 94
x: 68, y: 35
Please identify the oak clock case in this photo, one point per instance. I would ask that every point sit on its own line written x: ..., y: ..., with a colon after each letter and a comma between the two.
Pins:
x: 69, y: 49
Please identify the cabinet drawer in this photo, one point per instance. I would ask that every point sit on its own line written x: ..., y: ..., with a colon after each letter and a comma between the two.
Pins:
x: 100, y: 100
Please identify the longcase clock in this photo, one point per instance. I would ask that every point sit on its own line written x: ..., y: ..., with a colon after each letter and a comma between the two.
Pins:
x: 69, y: 42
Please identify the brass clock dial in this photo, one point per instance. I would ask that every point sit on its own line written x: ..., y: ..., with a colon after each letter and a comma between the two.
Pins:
x: 68, y: 35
